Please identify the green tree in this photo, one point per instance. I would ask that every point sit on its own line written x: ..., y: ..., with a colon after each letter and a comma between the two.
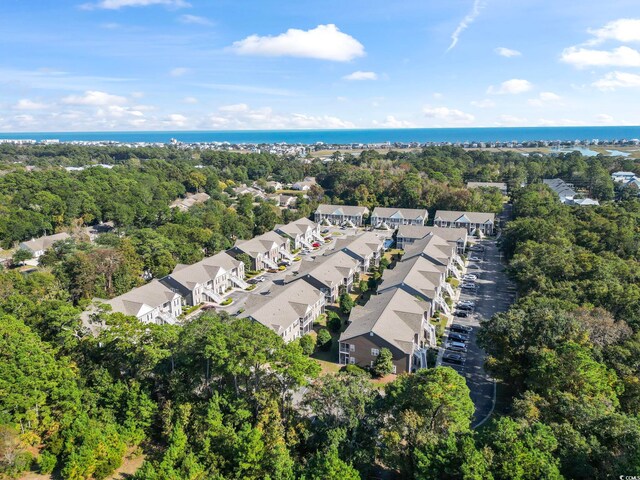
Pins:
x: 308, y: 344
x: 346, y: 303
x: 324, y: 340
x: 383, y: 364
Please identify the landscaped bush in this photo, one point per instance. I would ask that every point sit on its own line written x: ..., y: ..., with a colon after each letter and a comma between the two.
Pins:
x: 324, y: 340
x: 227, y: 301
x: 308, y: 344
x: 334, y: 322
x: 46, y: 462
x: 356, y: 371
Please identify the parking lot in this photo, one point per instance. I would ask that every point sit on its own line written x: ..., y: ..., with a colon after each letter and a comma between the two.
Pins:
x: 493, y: 294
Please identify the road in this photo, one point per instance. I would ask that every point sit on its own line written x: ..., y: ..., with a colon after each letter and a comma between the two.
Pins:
x: 492, y: 296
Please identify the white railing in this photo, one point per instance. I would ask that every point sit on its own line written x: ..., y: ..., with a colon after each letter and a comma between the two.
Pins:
x: 238, y: 281
x: 269, y: 263
x: 213, y: 296
x: 286, y: 254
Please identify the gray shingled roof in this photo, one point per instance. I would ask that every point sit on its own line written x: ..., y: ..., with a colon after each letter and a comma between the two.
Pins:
x: 407, y: 213
x: 259, y: 244
x: 432, y: 247
x: 43, y: 243
x: 297, y: 227
x: 329, y: 269
x: 418, y: 231
x: 341, y: 210
x: 473, y: 217
x: 394, y: 316
x: 361, y: 245
x: 417, y: 273
x: 283, y: 306
x: 204, y: 270
x: 142, y: 299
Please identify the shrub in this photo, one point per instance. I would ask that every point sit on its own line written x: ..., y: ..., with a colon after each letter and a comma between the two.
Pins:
x: 383, y: 364
x: 226, y: 301
x: 356, y: 371
x: 346, y: 303
x: 308, y: 344
x: 363, y: 285
x: 324, y: 340
x: 46, y: 462
x: 334, y: 322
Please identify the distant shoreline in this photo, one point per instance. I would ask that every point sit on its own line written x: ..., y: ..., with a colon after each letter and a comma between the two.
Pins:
x: 504, y: 136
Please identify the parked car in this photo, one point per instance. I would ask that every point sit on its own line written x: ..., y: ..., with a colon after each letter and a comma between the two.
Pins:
x: 207, y: 308
x: 454, y: 358
x: 461, y: 314
x: 468, y: 286
x: 475, y: 259
x: 456, y: 346
x: 462, y: 328
x: 315, y: 244
x: 469, y: 303
x: 466, y: 308
x: 477, y: 248
x: 458, y: 337
x: 470, y: 276
x: 252, y: 281
x: 325, y: 230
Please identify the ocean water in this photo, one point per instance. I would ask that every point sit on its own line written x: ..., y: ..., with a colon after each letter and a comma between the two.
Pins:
x: 406, y: 135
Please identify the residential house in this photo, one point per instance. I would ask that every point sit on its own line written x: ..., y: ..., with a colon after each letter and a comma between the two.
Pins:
x: 150, y: 303
x: 189, y: 201
x: 341, y: 215
x: 474, y: 222
x: 265, y: 250
x: 284, y: 201
x: 499, y: 185
x: 366, y: 249
x: 288, y: 310
x: 273, y: 184
x: 302, y: 233
x: 623, y: 177
x: 408, y: 234
x: 37, y: 246
x: 394, y: 217
x: 305, y: 185
x: 567, y: 194
x: 395, y: 320
x: 328, y: 273
x: 207, y: 280
x: 254, y: 192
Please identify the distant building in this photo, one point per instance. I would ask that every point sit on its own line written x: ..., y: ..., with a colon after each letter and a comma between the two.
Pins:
x: 366, y: 249
x: 288, y: 310
x: 394, y: 217
x: 499, y: 185
x: 566, y: 193
x: 341, y: 215
x: 474, y: 222
x: 285, y: 201
x: 623, y: 177
x: 189, y: 201
x: 37, y: 246
x: 305, y: 185
x: 302, y: 233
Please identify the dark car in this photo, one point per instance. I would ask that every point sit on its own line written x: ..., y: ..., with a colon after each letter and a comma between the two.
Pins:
x: 466, y: 308
x: 461, y: 314
x: 458, y: 337
x: 454, y: 358
x: 456, y: 327
x: 252, y: 281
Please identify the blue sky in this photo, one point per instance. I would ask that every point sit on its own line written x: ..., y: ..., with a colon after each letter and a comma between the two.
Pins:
x: 262, y: 64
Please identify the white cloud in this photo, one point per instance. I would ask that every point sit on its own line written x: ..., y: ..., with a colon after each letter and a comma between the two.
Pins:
x: 507, y: 52
x: 560, y: 122
x: 190, y: 100
x: 227, y: 87
x: 93, y: 97
x: 27, y: 104
x: 448, y: 115
x: 543, y: 98
x: 622, y: 30
x: 176, y: 120
x: 179, y: 72
x: 485, y: 103
x: 195, y: 20
x: 242, y: 117
x: 437, y: 95
x: 392, y: 122
x: 604, y: 119
x: 585, y: 57
x: 325, y: 42
x: 511, y: 120
x: 360, y: 75
x: 118, y: 4
x: 235, y: 108
x: 511, y: 87
x: 614, y: 80
x: 466, y: 21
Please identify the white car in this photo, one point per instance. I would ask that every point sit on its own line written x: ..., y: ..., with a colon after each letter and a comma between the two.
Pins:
x: 470, y: 276
x: 456, y: 346
x: 468, y: 303
x: 475, y: 259
x: 468, y: 286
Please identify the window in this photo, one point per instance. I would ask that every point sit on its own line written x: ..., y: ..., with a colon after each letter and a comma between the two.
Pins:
x: 352, y: 347
x: 395, y: 369
x: 375, y: 352
x: 352, y: 360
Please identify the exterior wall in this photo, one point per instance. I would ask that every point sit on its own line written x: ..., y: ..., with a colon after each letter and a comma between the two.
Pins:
x: 172, y: 308
x: 357, y: 220
x: 396, y: 222
x: 358, y: 351
x: 486, y: 228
